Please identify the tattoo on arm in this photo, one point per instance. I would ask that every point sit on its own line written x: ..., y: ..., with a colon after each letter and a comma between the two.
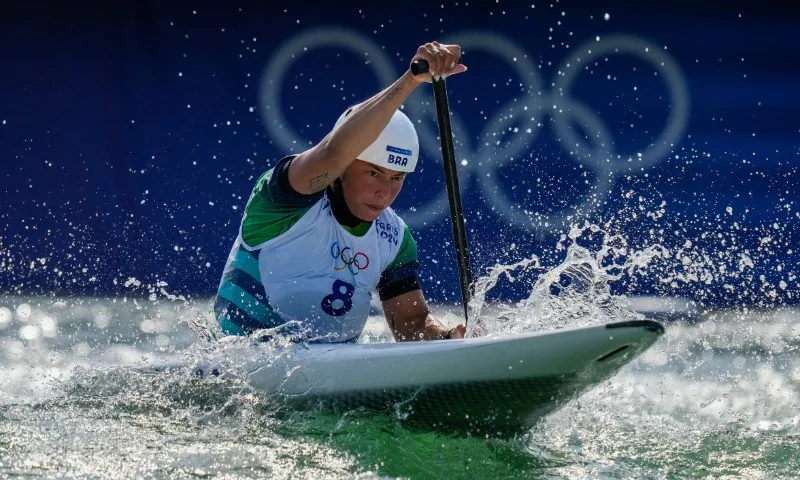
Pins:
x: 398, y: 336
x: 318, y: 183
x: 394, y: 92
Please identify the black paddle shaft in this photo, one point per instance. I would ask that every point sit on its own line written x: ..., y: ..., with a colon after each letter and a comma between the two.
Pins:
x: 451, y: 179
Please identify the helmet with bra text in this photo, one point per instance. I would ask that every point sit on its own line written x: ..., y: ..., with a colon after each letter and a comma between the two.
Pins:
x: 396, y: 148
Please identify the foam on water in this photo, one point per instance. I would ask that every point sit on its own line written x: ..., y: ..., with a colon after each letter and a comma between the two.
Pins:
x: 691, y: 406
x: 719, y: 397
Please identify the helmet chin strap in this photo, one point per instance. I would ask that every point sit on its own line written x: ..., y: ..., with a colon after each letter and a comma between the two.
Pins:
x: 339, y: 205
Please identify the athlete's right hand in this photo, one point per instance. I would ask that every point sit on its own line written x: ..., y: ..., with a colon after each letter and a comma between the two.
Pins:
x: 443, y: 60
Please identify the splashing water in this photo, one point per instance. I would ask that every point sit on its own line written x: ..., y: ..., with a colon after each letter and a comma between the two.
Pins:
x: 719, y: 397
x: 576, y: 292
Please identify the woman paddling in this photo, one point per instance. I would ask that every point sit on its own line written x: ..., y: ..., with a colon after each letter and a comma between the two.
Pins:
x: 318, y: 234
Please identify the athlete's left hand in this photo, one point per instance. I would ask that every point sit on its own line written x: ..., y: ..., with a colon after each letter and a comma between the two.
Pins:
x: 458, y: 332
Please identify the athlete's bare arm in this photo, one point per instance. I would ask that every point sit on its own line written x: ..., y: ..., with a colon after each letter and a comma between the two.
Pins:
x: 410, y: 319
x: 312, y: 170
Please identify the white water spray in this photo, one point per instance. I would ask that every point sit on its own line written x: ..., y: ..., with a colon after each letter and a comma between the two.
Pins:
x: 576, y: 292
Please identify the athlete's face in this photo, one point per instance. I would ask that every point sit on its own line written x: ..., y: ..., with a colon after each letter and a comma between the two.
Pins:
x: 368, y: 189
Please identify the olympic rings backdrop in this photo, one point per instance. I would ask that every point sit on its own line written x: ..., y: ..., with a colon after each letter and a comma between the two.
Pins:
x: 131, y: 134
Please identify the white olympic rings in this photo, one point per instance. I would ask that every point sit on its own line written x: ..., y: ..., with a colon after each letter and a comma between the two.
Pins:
x: 594, y: 151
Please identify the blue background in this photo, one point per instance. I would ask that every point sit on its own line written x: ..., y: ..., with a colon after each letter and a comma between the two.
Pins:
x: 131, y: 134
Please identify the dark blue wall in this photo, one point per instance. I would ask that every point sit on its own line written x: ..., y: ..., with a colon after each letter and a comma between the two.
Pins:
x: 131, y: 134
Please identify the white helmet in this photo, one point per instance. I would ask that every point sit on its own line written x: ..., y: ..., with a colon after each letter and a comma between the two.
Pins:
x: 396, y: 148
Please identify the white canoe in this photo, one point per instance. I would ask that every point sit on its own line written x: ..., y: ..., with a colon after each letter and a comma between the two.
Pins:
x: 494, y: 385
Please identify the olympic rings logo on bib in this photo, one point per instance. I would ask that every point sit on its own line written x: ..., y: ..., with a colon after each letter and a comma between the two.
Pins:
x: 354, y: 263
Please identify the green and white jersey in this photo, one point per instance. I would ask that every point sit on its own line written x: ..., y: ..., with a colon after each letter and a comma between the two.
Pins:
x: 293, y: 260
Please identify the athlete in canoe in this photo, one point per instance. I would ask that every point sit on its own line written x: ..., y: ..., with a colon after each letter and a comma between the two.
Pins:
x: 318, y: 234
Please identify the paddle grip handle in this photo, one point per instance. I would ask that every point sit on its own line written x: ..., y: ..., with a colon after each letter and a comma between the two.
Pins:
x: 418, y: 67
